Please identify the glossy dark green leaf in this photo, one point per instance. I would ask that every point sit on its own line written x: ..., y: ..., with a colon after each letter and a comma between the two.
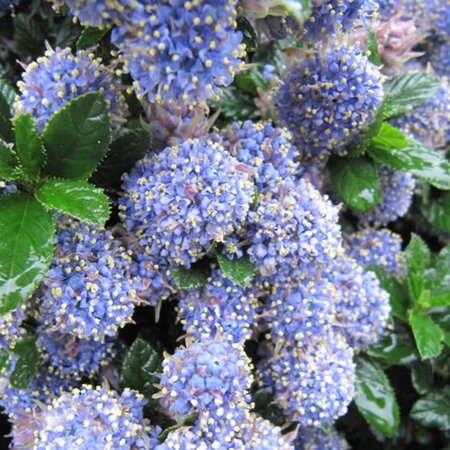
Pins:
x: 427, y: 333
x: 240, y: 270
x: 77, y: 137
x: 394, y: 348
x: 441, y: 316
x: 6, y: 133
x: 264, y: 406
x: 90, y: 36
x: 29, y: 36
x: 194, y: 277
x: 399, y: 299
x: 433, y: 409
x: 7, y: 163
x: 251, y: 80
x: 76, y: 198
x: 417, y: 258
x: 407, y: 91
x: 250, y: 37
x: 26, y: 252
x: 8, y: 93
x: 299, y: 9
x: 234, y: 104
x: 375, y: 398
x: 437, y: 212
x: 131, y: 145
x: 25, y: 367
x: 356, y: 181
x: 29, y: 149
x: 372, y: 46
x: 139, y: 368
x: 437, y: 279
x: 422, y: 376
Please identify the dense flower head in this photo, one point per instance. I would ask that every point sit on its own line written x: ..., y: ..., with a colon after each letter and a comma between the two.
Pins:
x: 10, y: 331
x: 181, y: 201
x: 328, y: 99
x: 381, y: 247
x: 181, y: 50
x: 295, y: 227
x: 263, y: 147
x: 363, y: 308
x: 430, y: 122
x: 329, y: 17
x: 440, y: 59
x: 397, y: 190
x: 94, y: 418
x: 59, y: 76
x: 211, y: 377
x: 318, y: 439
x: 315, y: 384
x: 86, y: 291
x: 220, y: 307
x: 66, y: 355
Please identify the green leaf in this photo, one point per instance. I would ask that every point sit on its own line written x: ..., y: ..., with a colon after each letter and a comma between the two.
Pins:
x: 6, y: 133
x: 398, y: 297
x: 90, y: 36
x: 437, y: 212
x: 250, y: 37
x: 437, y: 279
x: 29, y: 150
x: 7, y: 163
x: 372, y: 46
x: 77, y: 137
x: 417, y: 259
x: 427, y: 334
x: 264, y: 406
x: 422, y: 376
x: 251, y: 80
x: 76, y: 198
x: 406, y: 92
x: 389, y: 137
x: 299, y: 9
x: 130, y: 146
x: 433, y: 409
x: 356, y: 181
x: 29, y: 37
x: 441, y: 316
x: 195, y: 277
x: 139, y: 366
x: 8, y: 93
x: 234, y: 104
x: 394, y: 348
x: 375, y: 398
x: 240, y: 271
x: 25, y: 367
x: 26, y: 249
x: 4, y: 360
x: 414, y: 158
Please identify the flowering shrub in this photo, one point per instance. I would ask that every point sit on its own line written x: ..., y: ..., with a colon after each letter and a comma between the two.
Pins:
x: 225, y: 224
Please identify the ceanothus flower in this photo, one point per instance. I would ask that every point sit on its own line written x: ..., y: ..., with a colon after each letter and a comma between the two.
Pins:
x: 318, y: 439
x: 439, y: 59
x: 211, y: 378
x: 181, y: 201
x: 397, y: 190
x: 328, y: 100
x: 381, y: 247
x: 10, y: 330
x: 263, y: 147
x: 295, y: 227
x: 362, y: 310
x: 87, y: 292
x: 430, y: 122
x: 329, y: 17
x: 181, y: 50
x: 313, y: 385
x: 59, y: 76
x: 94, y: 418
x: 220, y: 307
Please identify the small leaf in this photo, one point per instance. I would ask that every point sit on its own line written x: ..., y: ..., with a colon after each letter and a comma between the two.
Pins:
x: 406, y: 92
x: 8, y: 93
x: 372, y: 46
x: 356, y: 181
x: 264, y: 406
x: 394, y: 348
x: 139, y: 368
x: 25, y: 250
x: 76, y: 198
x: 299, y: 9
x: 29, y: 37
x: 234, y: 104
x: 437, y: 212
x: 418, y: 259
x: 437, y: 279
x: 25, y: 367
x: 422, y: 376
x: 250, y: 80
x: 375, y: 398
x: 77, y: 137
x: 90, y: 36
x: 6, y: 133
x: 389, y: 137
x: 441, y: 316
x: 432, y: 410
x: 29, y: 150
x: 7, y: 163
x: 195, y: 277
x: 427, y: 334
x: 240, y: 271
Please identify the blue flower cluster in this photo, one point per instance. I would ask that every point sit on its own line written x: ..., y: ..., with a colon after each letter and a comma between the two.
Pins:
x: 59, y: 76
x: 328, y: 99
x: 10, y: 330
x: 181, y: 50
x: 397, y: 190
x: 317, y: 439
x: 219, y: 308
x: 380, y: 247
x: 181, y: 201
